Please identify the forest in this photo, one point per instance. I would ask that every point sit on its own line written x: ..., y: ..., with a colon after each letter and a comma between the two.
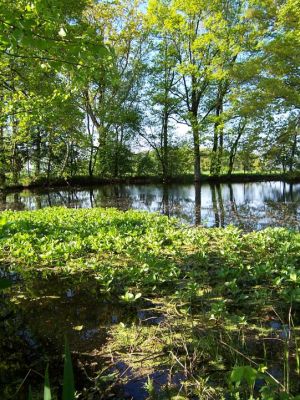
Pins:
x: 149, y: 199
x: 125, y: 88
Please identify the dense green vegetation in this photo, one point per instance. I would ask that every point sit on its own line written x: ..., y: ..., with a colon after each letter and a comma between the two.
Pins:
x: 101, y: 90
x: 217, y: 295
x: 131, y: 88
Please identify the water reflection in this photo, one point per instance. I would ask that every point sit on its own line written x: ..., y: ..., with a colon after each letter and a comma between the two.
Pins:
x: 37, y: 313
x: 247, y: 205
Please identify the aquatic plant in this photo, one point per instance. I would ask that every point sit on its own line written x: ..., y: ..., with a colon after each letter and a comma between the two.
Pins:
x: 218, y: 292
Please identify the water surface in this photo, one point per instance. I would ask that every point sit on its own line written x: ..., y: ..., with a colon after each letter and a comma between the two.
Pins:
x: 247, y: 205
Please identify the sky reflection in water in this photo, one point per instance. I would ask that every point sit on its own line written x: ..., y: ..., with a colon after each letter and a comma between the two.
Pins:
x: 247, y: 205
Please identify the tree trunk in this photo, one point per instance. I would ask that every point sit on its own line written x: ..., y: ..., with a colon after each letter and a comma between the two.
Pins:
x: 14, y: 155
x: 2, y: 159
x: 49, y: 163
x: 37, y: 161
x: 220, y: 151
x: 165, y: 141
x: 293, y: 152
x: 214, y: 153
x: 66, y: 159
x: 196, y: 144
x: 218, y: 141
x: 14, y: 164
x: 234, y: 147
x: 116, y: 155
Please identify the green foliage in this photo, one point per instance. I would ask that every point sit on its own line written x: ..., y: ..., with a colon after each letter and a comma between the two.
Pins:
x: 223, y: 282
x: 83, y: 81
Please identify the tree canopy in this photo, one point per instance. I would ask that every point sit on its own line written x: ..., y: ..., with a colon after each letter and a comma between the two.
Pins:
x: 167, y: 87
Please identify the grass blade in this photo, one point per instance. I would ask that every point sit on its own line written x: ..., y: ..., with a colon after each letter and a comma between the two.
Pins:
x: 29, y: 393
x: 68, y: 383
x: 47, y: 389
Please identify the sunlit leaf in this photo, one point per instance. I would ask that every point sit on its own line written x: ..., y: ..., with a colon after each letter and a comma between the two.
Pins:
x: 78, y: 328
x: 62, y: 33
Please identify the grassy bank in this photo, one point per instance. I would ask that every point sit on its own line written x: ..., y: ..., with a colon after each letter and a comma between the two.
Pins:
x: 205, y: 178
x: 224, y: 304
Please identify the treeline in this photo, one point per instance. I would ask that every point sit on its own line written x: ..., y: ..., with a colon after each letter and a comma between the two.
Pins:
x: 167, y: 87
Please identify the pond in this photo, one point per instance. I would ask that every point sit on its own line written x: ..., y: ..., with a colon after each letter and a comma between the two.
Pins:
x: 251, y: 206
x: 116, y: 345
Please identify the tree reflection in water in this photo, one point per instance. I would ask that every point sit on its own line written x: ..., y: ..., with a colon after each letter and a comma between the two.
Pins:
x: 247, y: 205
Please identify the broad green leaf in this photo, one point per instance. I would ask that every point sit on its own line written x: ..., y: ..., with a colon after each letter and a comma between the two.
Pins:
x: 245, y: 373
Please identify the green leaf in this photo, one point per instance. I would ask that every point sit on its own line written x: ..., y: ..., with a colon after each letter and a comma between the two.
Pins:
x: 68, y: 383
x: 5, y: 283
x: 246, y: 373
x: 47, y: 390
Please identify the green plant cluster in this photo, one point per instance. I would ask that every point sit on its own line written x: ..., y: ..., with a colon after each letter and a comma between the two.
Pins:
x: 146, y: 250
x: 218, y: 290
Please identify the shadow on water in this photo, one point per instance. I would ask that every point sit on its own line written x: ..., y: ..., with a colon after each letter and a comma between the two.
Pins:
x: 247, y: 205
x: 37, y: 313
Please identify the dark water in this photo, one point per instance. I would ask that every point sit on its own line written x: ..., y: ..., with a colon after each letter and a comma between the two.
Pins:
x: 247, y: 205
x: 38, y: 312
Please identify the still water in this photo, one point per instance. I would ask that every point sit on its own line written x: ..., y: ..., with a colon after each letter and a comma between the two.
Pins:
x: 247, y: 205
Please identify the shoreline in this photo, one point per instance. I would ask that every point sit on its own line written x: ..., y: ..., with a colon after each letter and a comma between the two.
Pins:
x: 84, y: 181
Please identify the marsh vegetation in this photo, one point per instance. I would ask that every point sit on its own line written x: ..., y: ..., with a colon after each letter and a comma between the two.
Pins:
x: 152, y: 308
